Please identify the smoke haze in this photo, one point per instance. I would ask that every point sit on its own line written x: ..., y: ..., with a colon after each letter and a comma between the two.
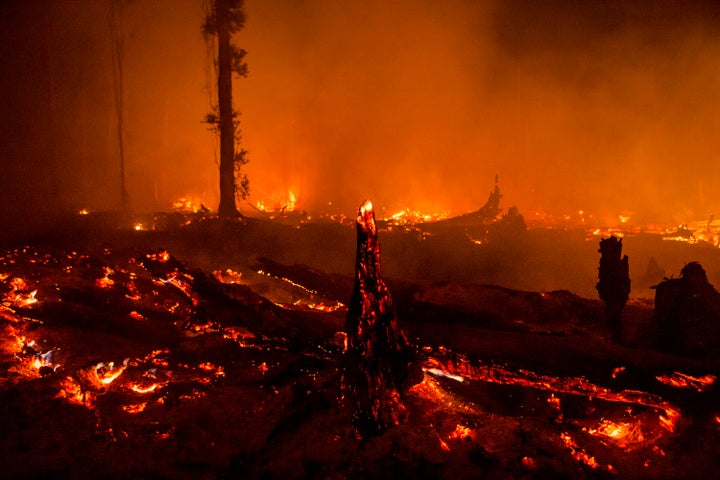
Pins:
x: 607, y: 107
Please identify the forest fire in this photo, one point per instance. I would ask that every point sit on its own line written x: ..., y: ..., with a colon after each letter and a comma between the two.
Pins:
x: 185, y: 338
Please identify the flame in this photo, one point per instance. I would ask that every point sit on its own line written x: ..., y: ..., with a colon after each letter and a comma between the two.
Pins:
x: 188, y: 204
x: 136, y: 315
x: 367, y: 206
x: 83, y: 211
x: 138, y: 227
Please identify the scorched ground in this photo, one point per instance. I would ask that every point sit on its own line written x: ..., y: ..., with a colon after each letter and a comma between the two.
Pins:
x: 211, y: 349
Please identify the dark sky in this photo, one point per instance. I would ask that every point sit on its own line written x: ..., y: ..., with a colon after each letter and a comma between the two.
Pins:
x: 608, y: 107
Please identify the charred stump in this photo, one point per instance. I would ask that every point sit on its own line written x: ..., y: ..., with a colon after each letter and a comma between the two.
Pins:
x: 380, y: 361
x: 613, y: 282
x: 687, y: 313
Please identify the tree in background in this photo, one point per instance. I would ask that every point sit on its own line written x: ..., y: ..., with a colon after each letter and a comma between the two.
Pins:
x: 115, y: 19
x: 225, y: 18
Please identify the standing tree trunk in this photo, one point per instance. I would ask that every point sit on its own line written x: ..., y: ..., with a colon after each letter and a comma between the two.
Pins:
x: 613, y: 282
x: 116, y: 37
x: 227, y: 208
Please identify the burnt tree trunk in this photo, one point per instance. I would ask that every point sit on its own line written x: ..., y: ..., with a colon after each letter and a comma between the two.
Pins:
x: 227, y: 208
x: 380, y: 361
x: 613, y: 282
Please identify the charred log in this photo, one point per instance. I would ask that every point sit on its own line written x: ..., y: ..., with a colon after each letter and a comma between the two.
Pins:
x: 380, y: 360
x: 687, y: 313
x: 613, y: 281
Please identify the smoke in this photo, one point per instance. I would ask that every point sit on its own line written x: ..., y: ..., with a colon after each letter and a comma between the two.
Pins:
x: 605, y: 107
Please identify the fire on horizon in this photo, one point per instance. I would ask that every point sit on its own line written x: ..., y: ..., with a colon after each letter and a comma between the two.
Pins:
x: 606, y: 108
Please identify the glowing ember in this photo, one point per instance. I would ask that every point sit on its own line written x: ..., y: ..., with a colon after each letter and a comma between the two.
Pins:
x: 136, y: 315
x: 682, y: 380
x: 83, y: 211
x: 462, y: 432
x: 143, y: 389
x: 623, y: 434
x: 138, y: 227
x: 669, y: 422
x: 105, y: 281
x: 442, y: 373
x: 410, y: 217
x: 162, y: 256
x: 228, y: 276
x: 135, y: 408
x: 71, y: 391
x: 106, y: 373
x: 577, y: 453
x: 20, y: 295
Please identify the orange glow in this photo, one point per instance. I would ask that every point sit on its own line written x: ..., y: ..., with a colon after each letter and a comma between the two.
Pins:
x: 136, y: 315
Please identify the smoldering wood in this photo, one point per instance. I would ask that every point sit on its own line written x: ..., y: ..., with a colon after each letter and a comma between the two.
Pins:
x: 379, y: 360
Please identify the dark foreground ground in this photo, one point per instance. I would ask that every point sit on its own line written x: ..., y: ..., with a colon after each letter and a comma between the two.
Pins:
x: 212, y: 350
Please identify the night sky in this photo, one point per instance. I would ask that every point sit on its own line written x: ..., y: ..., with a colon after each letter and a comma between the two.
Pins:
x: 608, y: 107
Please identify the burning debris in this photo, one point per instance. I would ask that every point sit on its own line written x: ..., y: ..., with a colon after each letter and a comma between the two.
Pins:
x: 380, y: 362
x: 123, y: 359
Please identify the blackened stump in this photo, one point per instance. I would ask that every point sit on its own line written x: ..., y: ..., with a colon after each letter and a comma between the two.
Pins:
x: 380, y: 360
x: 613, y: 282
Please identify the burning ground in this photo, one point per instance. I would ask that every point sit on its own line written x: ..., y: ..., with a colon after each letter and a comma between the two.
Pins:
x: 207, y: 349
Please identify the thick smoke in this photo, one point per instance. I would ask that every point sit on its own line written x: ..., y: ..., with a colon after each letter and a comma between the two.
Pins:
x: 607, y: 107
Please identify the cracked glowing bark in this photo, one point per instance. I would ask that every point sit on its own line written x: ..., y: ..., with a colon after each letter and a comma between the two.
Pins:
x: 380, y: 361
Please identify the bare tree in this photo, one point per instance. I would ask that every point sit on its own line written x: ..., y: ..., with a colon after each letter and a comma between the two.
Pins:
x: 227, y: 17
x: 115, y: 18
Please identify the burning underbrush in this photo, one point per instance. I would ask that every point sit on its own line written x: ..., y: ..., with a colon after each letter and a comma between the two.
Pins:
x: 117, y: 359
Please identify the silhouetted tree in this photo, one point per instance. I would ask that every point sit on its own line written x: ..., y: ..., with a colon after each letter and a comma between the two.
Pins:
x: 227, y: 17
x: 115, y: 18
x: 613, y: 281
